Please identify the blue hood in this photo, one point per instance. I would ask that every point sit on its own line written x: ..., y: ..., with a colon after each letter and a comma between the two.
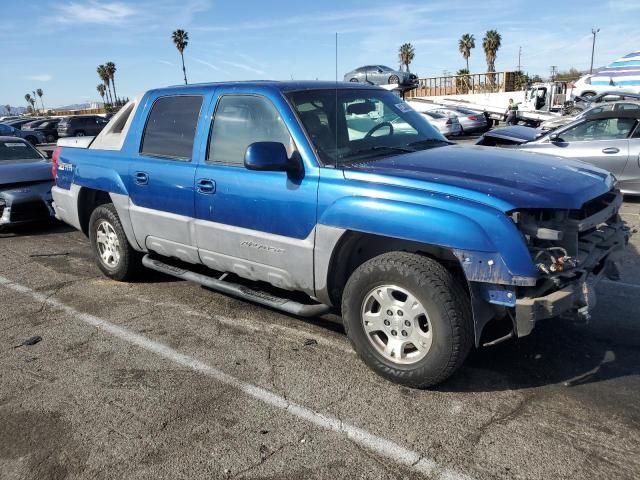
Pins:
x: 18, y: 171
x: 503, y: 178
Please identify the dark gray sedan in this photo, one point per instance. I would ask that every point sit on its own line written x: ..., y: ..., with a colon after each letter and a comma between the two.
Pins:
x: 33, y: 137
x: 381, y: 75
x: 25, y: 183
x: 609, y: 140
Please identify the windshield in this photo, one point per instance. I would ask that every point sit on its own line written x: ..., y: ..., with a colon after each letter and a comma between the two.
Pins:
x: 368, y: 123
x: 17, y: 150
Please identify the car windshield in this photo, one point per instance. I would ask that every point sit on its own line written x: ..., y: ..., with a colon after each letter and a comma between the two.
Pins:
x: 17, y: 150
x: 367, y: 123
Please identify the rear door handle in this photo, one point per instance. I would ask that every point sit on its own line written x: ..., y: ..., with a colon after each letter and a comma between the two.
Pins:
x: 206, y: 186
x: 610, y: 150
x: 142, y: 178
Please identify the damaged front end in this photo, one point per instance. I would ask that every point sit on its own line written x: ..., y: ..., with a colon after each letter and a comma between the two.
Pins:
x: 572, y: 251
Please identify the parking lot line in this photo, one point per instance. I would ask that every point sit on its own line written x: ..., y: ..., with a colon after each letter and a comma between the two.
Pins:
x: 374, y: 443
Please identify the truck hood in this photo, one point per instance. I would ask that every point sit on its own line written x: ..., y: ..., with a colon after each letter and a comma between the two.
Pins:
x: 503, y: 178
x: 22, y: 171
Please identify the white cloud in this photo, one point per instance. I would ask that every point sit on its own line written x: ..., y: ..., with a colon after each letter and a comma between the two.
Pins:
x: 43, y: 77
x: 91, y: 11
x: 244, y: 66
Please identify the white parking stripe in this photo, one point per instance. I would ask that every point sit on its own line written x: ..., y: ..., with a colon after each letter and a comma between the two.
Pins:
x: 378, y: 445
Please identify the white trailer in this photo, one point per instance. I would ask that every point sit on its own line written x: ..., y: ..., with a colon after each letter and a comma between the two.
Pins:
x: 539, y: 102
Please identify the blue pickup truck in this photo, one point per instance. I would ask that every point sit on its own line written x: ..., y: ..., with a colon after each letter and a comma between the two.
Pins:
x: 311, y: 197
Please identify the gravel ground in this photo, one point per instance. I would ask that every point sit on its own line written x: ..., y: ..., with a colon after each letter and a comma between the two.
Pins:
x: 165, y: 379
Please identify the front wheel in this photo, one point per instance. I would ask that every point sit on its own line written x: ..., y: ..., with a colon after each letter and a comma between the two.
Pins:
x: 408, y: 318
x: 114, y: 255
x: 354, y: 80
x: 394, y: 80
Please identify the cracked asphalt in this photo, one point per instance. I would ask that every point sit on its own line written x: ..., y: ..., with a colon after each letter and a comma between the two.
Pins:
x: 84, y: 403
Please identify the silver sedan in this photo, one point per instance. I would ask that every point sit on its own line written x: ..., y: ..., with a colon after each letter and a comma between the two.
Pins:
x: 381, y: 75
x: 470, y: 121
x: 556, y: 123
x: 609, y: 140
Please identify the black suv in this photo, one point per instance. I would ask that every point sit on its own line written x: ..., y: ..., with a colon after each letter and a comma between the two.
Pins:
x: 81, y: 125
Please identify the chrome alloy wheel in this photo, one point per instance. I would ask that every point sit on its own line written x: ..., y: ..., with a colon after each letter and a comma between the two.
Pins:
x: 396, y: 324
x: 108, y: 244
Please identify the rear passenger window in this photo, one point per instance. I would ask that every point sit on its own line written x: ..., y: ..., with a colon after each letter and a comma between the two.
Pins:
x: 171, y: 127
x: 241, y: 120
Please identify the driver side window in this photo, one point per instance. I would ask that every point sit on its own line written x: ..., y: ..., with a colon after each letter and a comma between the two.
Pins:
x: 241, y: 120
x: 602, y: 129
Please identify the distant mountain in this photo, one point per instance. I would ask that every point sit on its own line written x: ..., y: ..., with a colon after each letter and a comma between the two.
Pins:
x: 14, y: 110
x: 74, y: 106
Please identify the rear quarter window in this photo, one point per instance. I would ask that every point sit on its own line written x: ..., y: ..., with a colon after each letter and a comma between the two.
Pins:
x: 171, y: 127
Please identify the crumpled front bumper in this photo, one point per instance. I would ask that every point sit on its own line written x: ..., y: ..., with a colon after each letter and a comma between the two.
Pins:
x: 575, y: 294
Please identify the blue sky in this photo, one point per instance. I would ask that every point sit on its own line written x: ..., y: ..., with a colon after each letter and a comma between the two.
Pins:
x: 57, y: 44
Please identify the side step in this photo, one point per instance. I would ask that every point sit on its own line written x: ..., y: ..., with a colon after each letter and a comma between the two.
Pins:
x: 237, y: 290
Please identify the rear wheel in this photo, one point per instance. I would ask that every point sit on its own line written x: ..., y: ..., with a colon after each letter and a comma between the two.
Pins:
x: 588, y: 94
x: 32, y: 140
x: 354, y: 80
x: 408, y: 318
x: 114, y: 256
x: 393, y: 79
x: 80, y: 133
x: 51, y: 138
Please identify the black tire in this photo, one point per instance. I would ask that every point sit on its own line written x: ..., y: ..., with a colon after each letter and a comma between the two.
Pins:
x: 588, y: 94
x: 354, y: 80
x: 32, y: 140
x: 51, y: 138
x: 129, y: 262
x: 443, y: 298
x: 80, y: 133
x: 393, y: 79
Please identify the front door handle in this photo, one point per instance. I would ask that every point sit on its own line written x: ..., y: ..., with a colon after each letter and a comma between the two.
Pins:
x: 142, y: 178
x: 610, y: 150
x: 206, y: 186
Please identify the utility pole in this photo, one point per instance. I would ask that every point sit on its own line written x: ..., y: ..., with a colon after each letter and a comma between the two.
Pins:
x: 554, y: 70
x: 519, y: 55
x: 594, y: 32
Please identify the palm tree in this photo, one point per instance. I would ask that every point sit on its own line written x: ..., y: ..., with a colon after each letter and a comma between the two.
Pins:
x: 465, y: 44
x: 181, y: 40
x: 40, y: 93
x: 27, y: 97
x: 111, y: 71
x: 406, y: 54
x: 32, y: 100
x: 104, y: 76
x: 491, y: 43
x: 33, y: 96
x: 101, y: 90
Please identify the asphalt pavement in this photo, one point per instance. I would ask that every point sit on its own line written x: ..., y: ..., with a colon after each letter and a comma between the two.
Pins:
x: 165, y: 379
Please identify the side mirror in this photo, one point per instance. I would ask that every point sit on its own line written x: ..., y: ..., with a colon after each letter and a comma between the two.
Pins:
x: 555, y: 138
x: 269, y: 157
x: 48, y: 154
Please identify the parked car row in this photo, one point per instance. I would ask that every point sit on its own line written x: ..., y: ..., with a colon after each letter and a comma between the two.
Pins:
x: 48, y: 130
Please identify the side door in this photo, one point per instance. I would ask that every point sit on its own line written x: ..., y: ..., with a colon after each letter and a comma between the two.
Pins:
x: 602, y: 142
x: 161, y: 173
x: 259, y: 225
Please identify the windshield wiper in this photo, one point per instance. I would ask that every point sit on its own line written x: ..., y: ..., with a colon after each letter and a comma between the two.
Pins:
x: 379, y: 148
x: 429, y: 141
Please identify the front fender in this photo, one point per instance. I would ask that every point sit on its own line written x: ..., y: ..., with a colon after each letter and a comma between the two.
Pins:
x: 488, y: 244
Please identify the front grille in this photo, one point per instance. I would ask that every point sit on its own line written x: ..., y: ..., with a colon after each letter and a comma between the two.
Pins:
x: 27, y: 211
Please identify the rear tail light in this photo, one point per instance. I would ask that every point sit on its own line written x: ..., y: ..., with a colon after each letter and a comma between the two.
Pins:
x: 473, y: 118
x: 55, y: 158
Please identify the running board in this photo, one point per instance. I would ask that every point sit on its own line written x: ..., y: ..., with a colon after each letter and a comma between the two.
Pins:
x: 237, y: 290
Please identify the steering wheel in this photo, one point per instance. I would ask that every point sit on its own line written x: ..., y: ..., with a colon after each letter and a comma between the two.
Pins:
x: 378, y: 127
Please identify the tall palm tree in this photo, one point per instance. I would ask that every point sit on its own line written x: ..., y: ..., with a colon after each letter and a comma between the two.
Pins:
x: 181, y: 40
x: 491, y: 43
x: 466, y: 43
x: 101, y: 90
x: 111, y: 71
x: 406, y: 54
x: 27, y: 97
x: 33, y: 96
x: 40, y: 93
x: 32, y: 100
x: 104, y: 76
